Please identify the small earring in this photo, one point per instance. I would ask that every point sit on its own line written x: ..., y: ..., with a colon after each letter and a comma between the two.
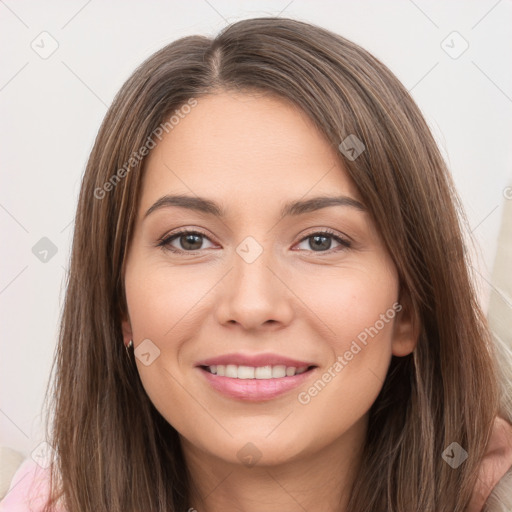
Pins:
x: 128, y: 347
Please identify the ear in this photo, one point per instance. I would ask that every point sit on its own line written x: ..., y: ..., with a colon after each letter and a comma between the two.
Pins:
x: 406, y: 329
x: 127, y: 329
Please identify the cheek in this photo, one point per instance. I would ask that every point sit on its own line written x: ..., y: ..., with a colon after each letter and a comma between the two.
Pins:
x: 359, y: 309
x: 162, y: 301
x: 353, y: 302
x: 164, y: 305
x: 160, y: 304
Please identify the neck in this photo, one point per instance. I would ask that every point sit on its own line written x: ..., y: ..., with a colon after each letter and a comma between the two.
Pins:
x: 318, y: 481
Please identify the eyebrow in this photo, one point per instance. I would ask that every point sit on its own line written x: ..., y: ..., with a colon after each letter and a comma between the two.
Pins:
x: 293, y: 208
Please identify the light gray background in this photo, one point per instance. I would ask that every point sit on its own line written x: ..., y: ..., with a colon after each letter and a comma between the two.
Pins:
x: 51, y: 109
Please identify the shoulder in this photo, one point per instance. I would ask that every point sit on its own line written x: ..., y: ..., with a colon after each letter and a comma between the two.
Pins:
x: 500, y: 499
x: 493, y: 490
x: 29, y: 489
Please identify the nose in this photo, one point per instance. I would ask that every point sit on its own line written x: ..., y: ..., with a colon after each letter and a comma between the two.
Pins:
x: 255, y: 294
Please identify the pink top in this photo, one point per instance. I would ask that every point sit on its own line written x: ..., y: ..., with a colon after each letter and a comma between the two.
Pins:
x: 30, y: 485
x: 29, y: 489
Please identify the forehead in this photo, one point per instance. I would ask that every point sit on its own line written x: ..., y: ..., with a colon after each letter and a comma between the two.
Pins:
x: 244, y: 147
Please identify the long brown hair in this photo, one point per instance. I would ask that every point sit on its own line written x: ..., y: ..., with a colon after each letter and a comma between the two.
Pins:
x: 114, y: 450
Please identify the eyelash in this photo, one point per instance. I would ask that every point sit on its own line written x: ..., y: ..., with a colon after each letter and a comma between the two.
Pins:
x: 165, y: 241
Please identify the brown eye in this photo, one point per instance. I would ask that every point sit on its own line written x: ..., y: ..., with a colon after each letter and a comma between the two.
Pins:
x: 188, y: 241
x: 322, y: 241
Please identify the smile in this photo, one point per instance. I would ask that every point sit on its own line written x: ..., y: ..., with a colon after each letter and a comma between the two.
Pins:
x: 255, y: 384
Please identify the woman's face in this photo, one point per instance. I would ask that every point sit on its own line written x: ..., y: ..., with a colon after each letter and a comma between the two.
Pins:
x: 222, y: 320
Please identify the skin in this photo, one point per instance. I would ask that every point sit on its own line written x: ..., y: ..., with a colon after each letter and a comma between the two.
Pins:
x: 252, y: 153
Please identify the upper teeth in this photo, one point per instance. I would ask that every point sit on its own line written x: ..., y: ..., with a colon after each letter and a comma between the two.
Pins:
x: 260, y: 372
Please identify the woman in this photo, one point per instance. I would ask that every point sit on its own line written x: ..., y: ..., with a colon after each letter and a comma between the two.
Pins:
x: 267, y: 227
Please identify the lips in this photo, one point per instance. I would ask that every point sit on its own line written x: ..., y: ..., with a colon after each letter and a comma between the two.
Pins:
x: 254, y: 377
